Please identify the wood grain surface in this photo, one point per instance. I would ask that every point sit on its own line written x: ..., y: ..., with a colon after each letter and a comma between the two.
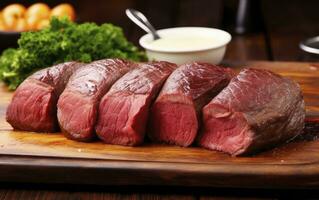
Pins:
x: 51, y: 158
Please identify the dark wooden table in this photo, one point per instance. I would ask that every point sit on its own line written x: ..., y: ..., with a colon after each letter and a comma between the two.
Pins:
x: 282, y: 25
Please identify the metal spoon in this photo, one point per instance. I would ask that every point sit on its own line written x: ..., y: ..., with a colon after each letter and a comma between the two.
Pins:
x: 310, y: 45
x: 139, y: 19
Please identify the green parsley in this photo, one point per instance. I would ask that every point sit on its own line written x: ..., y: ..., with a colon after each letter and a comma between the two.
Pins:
x: 64, y: 41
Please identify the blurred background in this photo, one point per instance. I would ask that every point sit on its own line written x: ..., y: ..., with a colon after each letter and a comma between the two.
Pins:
x: 261, y: 29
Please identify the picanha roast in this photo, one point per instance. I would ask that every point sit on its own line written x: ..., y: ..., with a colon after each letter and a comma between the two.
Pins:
x: 121, y: 102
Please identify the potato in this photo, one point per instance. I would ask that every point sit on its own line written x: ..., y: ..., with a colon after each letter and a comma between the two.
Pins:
x: 43, y: 24
x: 21, y: 25
x: 12, y: 13
x: 39, y: 10
x: 63, y: 10
x: 3, y: 26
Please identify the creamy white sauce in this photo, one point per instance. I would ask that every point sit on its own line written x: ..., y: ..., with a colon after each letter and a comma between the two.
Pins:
x: 177, y: 43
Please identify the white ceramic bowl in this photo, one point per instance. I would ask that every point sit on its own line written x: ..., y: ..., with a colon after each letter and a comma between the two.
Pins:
x: 211, y: 52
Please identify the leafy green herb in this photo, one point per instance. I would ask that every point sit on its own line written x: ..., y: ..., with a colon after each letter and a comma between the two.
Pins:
x: 64, y: 41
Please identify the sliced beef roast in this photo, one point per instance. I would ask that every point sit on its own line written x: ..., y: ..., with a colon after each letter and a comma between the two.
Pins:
x: 123, y: 111
x: 78, y: 104
x: 33, y: 106
x: 257, y: 110
x: 175, y: 113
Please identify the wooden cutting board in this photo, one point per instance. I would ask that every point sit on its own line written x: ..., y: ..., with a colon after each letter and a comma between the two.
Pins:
x: 50, y: 158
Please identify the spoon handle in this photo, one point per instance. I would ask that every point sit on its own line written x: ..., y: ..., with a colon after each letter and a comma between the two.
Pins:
x: 139, y: 19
